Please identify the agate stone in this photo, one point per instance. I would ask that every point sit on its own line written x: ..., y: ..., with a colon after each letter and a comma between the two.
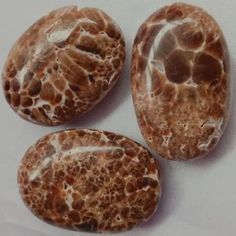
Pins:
x: 63, y: 65
x: 181, y: 82
x: 90, y: 180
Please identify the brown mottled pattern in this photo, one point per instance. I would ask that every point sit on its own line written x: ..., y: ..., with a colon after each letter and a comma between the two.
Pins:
x: 90, y: 180
x: 63, y: 65
x: 180, y: 82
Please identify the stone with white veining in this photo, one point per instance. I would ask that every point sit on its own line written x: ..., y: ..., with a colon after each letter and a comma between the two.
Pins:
x: 90, y: 180
x: 63, y: 65
x: 181, y: 82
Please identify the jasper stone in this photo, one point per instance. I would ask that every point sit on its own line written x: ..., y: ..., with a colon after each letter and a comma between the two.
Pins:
x: 90, y: 180
x: 181, y: 82
x: 63, y: 65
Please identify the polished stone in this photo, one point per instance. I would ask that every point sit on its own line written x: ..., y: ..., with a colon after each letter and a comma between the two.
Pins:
x: 181, y: 82
x: 63, y: 65
x: 90, y: 180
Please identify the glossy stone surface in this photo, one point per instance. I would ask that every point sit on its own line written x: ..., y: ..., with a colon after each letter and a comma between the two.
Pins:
x: 63, y: 65
x: 90, y: 180
x: 181, y: 82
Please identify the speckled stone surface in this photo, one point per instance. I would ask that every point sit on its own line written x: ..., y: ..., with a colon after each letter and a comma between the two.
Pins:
x: 63, y: 65
x: 181, y: 82
x: 90, y: 180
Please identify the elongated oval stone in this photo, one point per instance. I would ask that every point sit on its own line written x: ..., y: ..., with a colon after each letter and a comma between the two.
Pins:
x: 181, y: 82
x: 63, y: 65
x: 90, y: 180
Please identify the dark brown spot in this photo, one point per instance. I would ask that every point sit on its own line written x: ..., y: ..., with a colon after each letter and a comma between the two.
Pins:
x: 177, y: 67
x: 116, y: 63
x: 75, y: 216
x: 15, y: 85
x: 58, y: 98
x: 130, y: 187
x: 69, y: 102
x: 60, y: 206
x: 6, y: 85
x: 78, y: 204
x: 35, y: 87
x: 74, y: 87
x: 26, y: 111
x: 111, y: 31
x: 174, y: 13
x: 55, y: 66
x: 59, y: 112
x: 216, y: 48
x: 26, y: 102
x: 15, y: 99
x: 206, y: 69
x: 91, y: 78
x: 189, y: 36
x: 47, y: 92
x: 144, y: 182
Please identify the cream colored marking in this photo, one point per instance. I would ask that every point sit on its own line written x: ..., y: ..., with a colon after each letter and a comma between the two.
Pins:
x: 152, y: 176
x: 135, y: 159
x: 62, y: 33
x: 86, y: 149
x: 69, y: 198
x: 104, y: 138
x: 22, y: 73
x: 86, y: 20
x: 217, y: 124
x: 182, y: 147
x: 191, y: 83
x: 56, y: 145
x: 166, y: 139
x: 159, y: 65
x: 146, y: 188
x: 37, y: 172
x: 40, y: 47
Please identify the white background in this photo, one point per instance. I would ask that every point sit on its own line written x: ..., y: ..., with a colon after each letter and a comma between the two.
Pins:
x: 199, y: 198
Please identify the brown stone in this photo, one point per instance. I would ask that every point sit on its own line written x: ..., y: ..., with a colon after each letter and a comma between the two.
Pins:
x: 77, y: 181
x: 181, y: 82
x: 70, y: 49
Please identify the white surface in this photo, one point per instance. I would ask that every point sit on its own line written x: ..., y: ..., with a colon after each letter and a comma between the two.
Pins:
x: 199, y: 198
